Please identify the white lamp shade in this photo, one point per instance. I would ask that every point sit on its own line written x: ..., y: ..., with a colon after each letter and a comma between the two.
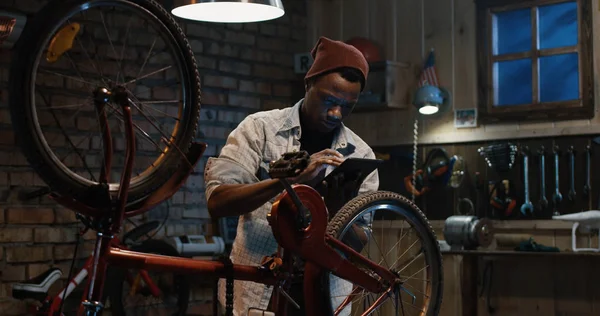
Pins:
x: 429, y: 109
x: 229, y: 11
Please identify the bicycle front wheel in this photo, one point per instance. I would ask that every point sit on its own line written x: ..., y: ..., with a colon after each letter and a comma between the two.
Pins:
x: 388, y: 229
x: 73, y: 48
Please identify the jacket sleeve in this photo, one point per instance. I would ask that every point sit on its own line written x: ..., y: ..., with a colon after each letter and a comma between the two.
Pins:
x: 371, y: 182
x: 239, y: 159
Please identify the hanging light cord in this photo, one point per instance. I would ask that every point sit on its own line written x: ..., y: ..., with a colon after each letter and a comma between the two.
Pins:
x: 414, y: 174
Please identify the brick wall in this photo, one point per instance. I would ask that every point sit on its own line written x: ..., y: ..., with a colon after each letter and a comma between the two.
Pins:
x: 244, y: 68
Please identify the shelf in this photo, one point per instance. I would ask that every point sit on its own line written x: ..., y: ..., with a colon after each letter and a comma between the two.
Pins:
x: 510, y: 253
x: 388, y: 87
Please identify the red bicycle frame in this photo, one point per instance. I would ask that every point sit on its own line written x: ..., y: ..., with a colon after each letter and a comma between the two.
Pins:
x: 310, y: 243
x: 80, y: 276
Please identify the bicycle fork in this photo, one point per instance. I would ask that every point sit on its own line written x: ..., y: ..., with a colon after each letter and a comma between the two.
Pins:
x: 92, y: 305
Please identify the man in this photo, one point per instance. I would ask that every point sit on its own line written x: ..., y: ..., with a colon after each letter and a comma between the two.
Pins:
x: 237, y: 182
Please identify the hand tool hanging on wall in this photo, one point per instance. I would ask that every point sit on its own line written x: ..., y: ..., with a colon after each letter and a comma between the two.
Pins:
x: 527, y: 207
x: 468, y: 232
x: 596, y: 140
x: 587, y: 187
x: 556, y: 197
x: 543, y: 202
x: 438, y: 170
x: 502, y: 198
x: 572, y: 193
x: 499, y: 156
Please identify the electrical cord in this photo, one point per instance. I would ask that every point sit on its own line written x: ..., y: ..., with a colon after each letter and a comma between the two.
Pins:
x: 414, y: 169
x: 162, y: 224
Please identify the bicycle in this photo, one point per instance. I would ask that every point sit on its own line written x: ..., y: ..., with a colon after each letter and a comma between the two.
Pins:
x: 37, y: 288
x: 67, y: 41
x: 321, y: 251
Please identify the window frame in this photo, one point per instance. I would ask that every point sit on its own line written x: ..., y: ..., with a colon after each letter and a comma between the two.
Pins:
x: 582, y: 108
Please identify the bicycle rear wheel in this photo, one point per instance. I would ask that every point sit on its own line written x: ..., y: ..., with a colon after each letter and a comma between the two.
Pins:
x: 74, y: 47
x: 388, y: 229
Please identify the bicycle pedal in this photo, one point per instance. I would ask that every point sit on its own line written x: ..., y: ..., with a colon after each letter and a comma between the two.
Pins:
x: 259, y: 312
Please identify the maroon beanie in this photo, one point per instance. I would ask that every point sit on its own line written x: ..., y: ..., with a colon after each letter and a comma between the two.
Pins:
x: 329, y: 54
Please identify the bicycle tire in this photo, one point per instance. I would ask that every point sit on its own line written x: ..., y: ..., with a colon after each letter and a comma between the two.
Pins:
x: 153, y: 246
x: 354, y: 207
x: 28, y: 136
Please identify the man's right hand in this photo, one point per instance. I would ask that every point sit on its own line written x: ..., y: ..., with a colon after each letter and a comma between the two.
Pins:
x: 318, y: 161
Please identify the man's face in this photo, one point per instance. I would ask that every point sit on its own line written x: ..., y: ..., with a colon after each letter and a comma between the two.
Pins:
x: 328, y: 101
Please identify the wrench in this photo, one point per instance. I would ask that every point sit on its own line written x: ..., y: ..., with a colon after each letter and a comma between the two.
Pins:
x: 572, y: 193
x: 556, y: 197
x: 587, y: 188
x: 527, y: 207
x: 543, y: 203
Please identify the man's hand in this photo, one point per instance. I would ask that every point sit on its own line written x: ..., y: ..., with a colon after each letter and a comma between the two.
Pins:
x: 318, y: 161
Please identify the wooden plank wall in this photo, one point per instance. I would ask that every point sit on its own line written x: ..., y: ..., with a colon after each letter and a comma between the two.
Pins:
x: 406, y: 30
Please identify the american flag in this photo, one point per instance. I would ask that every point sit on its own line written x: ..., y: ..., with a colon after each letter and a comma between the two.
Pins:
x: 429, y: 75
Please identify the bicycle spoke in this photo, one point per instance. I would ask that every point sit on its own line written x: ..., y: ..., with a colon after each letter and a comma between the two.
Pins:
x: 402, y: 255
x: 66, y: 76
x: 140, y: 131
x: 146, y: 59
x: 159, y: 111
x: 415, y: 288
x: 165, y: 138
x: 413, y: 259
x: 123, y: 50
x: 147, y: 75
x: 69, y: 141
x: 88, y: 136
x: 94, y: 61
x: 70, y: 106
x: 420, y: 270
x: 381, y: 252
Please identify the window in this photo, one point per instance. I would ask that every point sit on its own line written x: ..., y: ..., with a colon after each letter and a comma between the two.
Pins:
x: 535, y: 59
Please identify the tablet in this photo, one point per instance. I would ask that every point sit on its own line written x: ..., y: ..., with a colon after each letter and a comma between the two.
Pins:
x: 354, y: 169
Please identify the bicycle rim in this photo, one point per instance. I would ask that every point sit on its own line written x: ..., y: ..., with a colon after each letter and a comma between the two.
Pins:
x: 398, y: 237
x: 78, y: 170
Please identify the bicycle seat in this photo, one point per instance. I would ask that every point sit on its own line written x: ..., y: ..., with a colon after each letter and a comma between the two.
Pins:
x: 36, y: 288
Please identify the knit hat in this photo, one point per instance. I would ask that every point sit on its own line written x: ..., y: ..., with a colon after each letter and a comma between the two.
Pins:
x: 329, y: 54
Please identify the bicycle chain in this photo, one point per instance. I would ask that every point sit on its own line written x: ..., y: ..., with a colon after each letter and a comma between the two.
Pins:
x: 228, y: 286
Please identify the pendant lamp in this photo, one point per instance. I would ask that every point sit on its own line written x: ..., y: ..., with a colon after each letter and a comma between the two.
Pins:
x: 431, y: 99
x: 228, y: 11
